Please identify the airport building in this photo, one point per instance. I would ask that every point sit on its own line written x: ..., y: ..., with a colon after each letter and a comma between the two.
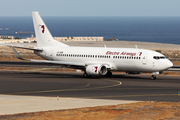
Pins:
x: 6, y: 37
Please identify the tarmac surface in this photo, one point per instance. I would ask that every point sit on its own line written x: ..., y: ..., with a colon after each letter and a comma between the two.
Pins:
x: 28, y: 91
x: 118, y: 87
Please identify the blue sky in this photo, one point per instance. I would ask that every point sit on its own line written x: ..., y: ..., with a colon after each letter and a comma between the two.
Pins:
x: 90, y: 7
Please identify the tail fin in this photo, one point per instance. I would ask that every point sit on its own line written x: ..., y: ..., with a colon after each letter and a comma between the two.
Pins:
x: 43, y: 36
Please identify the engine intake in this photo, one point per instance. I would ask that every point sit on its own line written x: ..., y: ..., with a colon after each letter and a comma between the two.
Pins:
x: 96, y: 69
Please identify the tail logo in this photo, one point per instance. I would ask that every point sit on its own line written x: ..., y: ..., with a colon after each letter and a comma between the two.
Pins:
x: 43, y: 28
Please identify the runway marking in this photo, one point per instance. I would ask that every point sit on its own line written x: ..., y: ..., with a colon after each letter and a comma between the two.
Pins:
x: 86, y: 85
x: 46, y: 91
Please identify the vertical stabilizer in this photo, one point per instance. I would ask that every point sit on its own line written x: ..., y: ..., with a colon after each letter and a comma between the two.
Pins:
x: 43, y: 36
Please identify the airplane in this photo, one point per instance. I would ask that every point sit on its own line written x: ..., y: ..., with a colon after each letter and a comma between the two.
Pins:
x: 94, y: 60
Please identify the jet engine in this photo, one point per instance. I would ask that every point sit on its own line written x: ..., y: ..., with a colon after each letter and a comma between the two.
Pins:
x: 96, y: 69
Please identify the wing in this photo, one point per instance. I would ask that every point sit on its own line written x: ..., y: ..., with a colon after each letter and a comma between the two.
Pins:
x: 75, y: 65
x: 67, y: 64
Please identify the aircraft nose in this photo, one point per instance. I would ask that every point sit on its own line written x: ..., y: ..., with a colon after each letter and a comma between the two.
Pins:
x: 169, y: 64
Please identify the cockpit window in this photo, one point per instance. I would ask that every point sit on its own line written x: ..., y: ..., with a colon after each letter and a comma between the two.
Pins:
x: 159, y: 57
x: 162, y: 57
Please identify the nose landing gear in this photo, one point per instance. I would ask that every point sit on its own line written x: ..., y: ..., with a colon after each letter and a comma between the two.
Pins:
x: 153, y: 77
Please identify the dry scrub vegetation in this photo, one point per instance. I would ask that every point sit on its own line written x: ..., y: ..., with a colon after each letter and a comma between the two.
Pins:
x: 134, y: 111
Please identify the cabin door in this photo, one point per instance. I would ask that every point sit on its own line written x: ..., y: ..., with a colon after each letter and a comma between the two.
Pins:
x: 144, y: 59
x: 52, y: 54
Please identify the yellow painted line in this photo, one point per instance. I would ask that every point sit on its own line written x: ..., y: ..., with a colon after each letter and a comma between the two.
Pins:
x: 45, y: 91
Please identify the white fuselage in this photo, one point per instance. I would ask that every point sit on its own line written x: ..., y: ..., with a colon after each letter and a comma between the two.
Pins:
x: 119, y: 59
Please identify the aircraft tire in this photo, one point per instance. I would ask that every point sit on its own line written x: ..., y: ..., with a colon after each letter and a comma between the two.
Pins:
x: 108, y: 74
x: 153, y: 77
x: 85, y: 75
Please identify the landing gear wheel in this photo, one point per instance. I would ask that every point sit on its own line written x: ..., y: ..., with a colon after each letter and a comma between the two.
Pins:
x: 153, y: 77
x: 86, y: 75
x: 108, y: 74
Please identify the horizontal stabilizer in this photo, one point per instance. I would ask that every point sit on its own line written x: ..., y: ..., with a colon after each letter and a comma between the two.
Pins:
x: 37, y: 49
x: 17, y: 55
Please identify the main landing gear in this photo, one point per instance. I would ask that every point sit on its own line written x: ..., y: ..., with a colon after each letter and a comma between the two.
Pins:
x: 85, y: 75
x: 108, y: 74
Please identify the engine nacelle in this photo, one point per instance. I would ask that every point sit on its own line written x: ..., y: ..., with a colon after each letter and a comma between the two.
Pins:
x: 96, y: 69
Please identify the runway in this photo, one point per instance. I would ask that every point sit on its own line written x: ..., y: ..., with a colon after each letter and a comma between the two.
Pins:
x: 118, y: 87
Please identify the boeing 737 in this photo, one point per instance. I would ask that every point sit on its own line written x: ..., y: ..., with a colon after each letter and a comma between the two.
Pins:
x: 94, y: 60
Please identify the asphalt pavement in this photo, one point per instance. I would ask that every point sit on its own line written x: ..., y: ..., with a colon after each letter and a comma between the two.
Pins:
x: 118, y: 87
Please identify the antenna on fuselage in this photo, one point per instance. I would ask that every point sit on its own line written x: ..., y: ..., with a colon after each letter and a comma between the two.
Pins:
x: 136, y: 46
